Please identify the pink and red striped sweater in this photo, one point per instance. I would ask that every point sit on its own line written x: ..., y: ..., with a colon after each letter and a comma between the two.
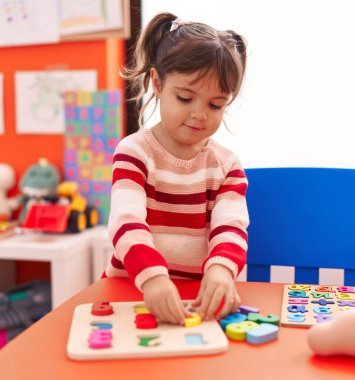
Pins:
x: 172, y: 216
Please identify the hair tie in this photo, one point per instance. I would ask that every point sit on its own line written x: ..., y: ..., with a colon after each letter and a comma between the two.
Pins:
x: 178, y: 22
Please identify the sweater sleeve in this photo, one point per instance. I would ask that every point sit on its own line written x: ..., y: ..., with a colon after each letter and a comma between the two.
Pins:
x: 127, y: 227
x: 229, y: 221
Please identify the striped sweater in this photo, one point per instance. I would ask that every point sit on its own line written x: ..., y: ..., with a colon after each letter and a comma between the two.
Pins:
x: 174, y: 216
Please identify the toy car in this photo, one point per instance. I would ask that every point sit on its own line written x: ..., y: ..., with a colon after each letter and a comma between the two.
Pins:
x: 68, y: 211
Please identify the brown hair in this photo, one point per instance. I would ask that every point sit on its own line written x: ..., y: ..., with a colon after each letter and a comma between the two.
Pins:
x: 191, y: 47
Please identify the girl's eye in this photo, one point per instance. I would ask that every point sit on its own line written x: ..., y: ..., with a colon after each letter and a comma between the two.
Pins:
x: 214, y: 107
x: 183, y: 100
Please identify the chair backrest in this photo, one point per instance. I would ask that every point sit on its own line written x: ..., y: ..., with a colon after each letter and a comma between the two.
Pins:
x: 301, y: 217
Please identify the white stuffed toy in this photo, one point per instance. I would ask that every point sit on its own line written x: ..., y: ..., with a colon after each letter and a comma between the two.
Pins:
x: 7, y: 182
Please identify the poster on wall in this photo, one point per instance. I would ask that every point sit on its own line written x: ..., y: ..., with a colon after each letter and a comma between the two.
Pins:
x: 39, y: 98
x: 94, y: 126
x: 86, y: 16
x: 28, y: 22
x: 2, y: 129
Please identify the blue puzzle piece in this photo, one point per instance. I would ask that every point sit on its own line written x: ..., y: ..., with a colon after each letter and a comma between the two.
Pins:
x: 232, y: 318
x: 265, y: 332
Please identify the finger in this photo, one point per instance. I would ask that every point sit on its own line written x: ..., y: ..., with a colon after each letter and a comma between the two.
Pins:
x: 215, y: 302
x: 176, y: 311
x: 230, y: 304
x: 189, y: 310
x: 161, y: 314
x: 238, y: 300
x: 197, y: 301
x: 205, y: 302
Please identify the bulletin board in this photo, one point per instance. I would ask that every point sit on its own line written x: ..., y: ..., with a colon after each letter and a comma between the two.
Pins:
x: 33, y: 22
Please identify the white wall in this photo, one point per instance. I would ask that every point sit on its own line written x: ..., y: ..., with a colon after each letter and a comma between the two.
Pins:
x: 297, y: 106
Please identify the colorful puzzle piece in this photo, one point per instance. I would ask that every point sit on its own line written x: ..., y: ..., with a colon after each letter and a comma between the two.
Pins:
x: 149, y: 341
x: 101, y: 308
x: 145, y: 321
x: 265, y: 332
x: 193, y: 321
x: 251, y: 326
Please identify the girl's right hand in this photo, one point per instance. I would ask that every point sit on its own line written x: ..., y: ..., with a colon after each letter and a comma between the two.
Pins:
x: 162, y: 299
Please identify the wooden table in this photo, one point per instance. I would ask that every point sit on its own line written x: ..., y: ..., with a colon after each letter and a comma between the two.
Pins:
x: 40, y: 352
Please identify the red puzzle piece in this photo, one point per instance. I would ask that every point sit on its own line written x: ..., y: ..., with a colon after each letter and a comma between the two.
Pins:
x: 101, y: 308
x: 146, y: 321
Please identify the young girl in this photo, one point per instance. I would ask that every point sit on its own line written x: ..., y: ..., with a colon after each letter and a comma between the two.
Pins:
x: 178, y: 198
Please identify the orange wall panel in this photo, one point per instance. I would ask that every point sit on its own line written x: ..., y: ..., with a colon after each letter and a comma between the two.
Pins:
x: 20, y: 151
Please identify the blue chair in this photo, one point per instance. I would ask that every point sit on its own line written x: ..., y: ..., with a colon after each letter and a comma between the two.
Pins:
x: 301, y: 217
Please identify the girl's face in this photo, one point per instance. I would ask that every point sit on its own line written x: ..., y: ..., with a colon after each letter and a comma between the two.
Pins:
x: 190, y: 111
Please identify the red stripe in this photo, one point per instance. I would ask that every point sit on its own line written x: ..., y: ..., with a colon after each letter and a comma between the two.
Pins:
x: 237, y: 173
x: 194, y: 276
x: 230, y: 251
x: 239, y: 188
x: 222, y: 229
x: 188, y: 199
x: 175, y: 219
x: 140, y: 257
x: 128, y: 227
x: 119, y: 174
x: 132, y: 160
x: 116, y: 263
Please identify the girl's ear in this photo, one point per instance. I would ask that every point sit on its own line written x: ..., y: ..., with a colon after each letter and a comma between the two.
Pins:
x: 156, y: 82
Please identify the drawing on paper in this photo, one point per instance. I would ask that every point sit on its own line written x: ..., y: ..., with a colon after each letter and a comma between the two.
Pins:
x: 39, y: 98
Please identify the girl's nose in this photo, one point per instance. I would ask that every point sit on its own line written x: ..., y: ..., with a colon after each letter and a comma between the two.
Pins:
x: 200, y: 116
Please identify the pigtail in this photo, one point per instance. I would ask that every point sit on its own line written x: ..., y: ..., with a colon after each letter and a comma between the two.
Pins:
x: 240, y: 45
x: 144, y: 57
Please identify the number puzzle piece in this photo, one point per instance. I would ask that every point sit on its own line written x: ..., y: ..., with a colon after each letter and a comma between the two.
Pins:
x: 193, y: 321
x: 321, y: 318
x: 297, y: 294
x: 243, y: 309
x: 265, y: 332
x: 299, y: 287
x: 296, y: 301
x: 258, y: 318
x: 141, y: 309
x: 101, y: 308
x: 346, y: 289
x: 100, y: 339
x: 323, y: 302
x: 145, y: 321
x: 346, y: 303
x: 323, y: 289
x: 102, y: 325
x: 297, y: 317
x: 297, y: 309
x: 232, y: 318
x: 321, y: 295
x: 322, y: 310
x: 345, y: 296
x: 149, y: 341
x: 238, y: 331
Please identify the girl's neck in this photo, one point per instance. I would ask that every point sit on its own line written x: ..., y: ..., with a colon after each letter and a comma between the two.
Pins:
x: 178, y: 150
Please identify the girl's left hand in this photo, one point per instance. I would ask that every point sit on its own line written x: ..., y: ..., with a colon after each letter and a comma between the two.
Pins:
x: 217, y: 285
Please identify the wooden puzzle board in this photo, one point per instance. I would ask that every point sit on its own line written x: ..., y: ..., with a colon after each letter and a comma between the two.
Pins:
x: 204, y: 339
x: 305, y: 305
